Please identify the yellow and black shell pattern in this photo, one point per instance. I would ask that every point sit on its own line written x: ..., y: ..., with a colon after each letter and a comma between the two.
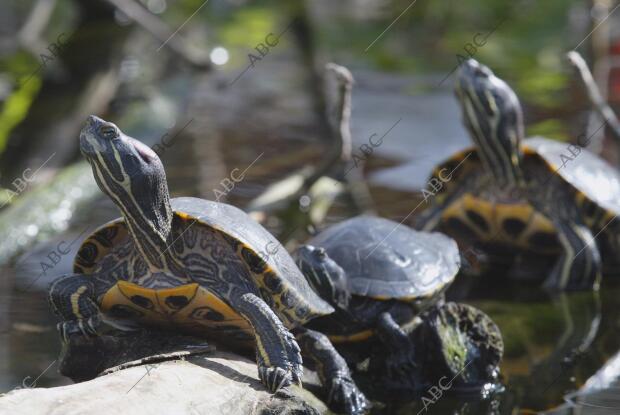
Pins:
x: 188, y: 308
x: 192, y: 306
x: 595, y: 185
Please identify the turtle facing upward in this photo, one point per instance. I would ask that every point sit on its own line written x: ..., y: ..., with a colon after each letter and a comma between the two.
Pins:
x: 535, y: 195
x: 187, y: 264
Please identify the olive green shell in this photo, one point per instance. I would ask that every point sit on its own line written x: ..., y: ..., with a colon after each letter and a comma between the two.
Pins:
x: 232, y: 222
x: 384, y: 259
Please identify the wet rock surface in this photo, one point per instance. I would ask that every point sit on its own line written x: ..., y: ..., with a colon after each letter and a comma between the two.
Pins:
x: 216, y: 383
x: 455, y: 344
x: 83, y: 359
x: 462, y: 343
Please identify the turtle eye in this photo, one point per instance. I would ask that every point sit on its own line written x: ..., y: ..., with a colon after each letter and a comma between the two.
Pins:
x: 320, y: 253
x: 108, y: 131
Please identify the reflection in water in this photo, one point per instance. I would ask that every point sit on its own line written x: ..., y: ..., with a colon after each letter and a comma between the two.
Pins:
x: 599, y: 395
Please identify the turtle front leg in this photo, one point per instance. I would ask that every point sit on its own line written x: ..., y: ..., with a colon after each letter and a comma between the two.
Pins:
x: 343, y: 396
x: 400, y: 360
x: 72, y: 298
x: 579, y: 265
x: 277, y: 353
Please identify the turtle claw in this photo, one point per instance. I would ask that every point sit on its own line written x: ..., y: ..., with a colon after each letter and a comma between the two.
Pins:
x: 295, y: 360
x: 274, y: 378
x: 344, y: 397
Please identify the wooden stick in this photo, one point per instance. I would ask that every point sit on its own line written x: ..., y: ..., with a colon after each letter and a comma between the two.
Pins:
x: 29, y: 35
x: 339, y: 126
x: 342, y: 143
x: 599, y: 104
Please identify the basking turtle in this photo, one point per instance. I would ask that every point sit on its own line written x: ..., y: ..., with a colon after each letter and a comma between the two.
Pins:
x: 185, y: 263
x: 379, y: 275
x: 538, y: 195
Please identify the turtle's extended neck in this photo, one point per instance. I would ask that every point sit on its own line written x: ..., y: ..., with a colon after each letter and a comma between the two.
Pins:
x: 152, y: 232
x: 492, y: 114
x: 133, y: 176
x: 501, y: 162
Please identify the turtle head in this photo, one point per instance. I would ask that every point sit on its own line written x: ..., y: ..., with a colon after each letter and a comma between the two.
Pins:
x: 133, y: 176
x: 493, y: 116
x: 324, y: 275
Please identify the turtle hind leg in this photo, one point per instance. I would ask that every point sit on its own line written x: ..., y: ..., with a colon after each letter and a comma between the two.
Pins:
x: 277, y: 353
x: 343, y: 396
x: 579, y: 265
x: 72, y: 299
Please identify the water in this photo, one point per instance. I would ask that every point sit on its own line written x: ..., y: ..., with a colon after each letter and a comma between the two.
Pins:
x: 267, y: 115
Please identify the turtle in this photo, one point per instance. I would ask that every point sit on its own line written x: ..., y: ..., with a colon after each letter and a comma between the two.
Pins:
x: 533, y: 195
x: 185, y: 264
x: 379, y: 275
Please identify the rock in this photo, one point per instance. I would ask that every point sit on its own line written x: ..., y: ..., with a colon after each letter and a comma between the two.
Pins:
x: 84, y: 359
x: 456, y: 347
x: 465, y: 344
x: 220, y: 383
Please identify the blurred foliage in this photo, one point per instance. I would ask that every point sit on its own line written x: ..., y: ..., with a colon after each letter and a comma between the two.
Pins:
x: 26, y: 70
x: 552, y: 128
x: 526, y: 47
x: 523, y: 42
x: 22, y: 68
x: 5, y: 197
x: 248, y: 28
x: 16, y: 107
x: 238, y: 28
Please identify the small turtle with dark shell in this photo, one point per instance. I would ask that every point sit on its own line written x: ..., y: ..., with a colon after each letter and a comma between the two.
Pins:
x: 536, y: 195
x: 189, y: 264
x: 379, y: 275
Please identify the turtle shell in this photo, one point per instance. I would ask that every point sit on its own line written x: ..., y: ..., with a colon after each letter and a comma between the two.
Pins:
x: 387, y: 260
x: 586, y: 172
x: 239, y: 228
x: 590, y: 175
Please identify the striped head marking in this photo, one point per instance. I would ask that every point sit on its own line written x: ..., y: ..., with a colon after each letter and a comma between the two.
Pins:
x: 493, y: 116
x: 324, y: 275
x: 133, y: 176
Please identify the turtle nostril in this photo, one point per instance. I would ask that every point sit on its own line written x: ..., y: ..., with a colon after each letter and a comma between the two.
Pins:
x: 483, y: 71
x: 94, y: 121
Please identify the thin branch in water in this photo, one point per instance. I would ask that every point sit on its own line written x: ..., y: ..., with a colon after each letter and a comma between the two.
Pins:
x: 599, y: 104
x: 339, y: 124
x: 30, y: 34
x: 342, y: 142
